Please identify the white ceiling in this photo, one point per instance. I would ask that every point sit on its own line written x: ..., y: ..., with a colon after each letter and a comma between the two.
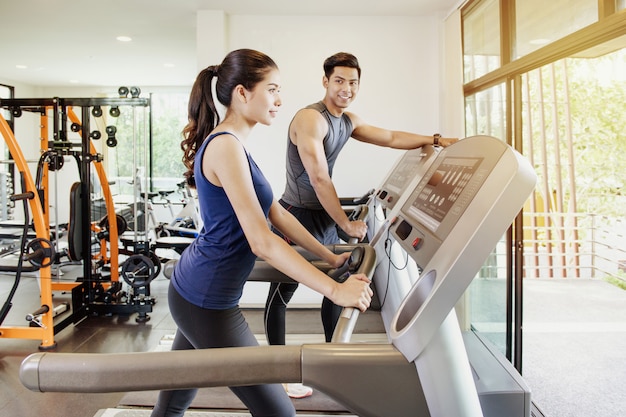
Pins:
x: 73, y: 42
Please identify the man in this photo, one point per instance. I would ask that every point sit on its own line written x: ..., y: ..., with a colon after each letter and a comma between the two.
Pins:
x: 317, y: 134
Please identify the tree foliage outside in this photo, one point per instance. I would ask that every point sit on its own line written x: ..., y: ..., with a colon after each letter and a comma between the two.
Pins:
x: 575, y: 117
x: 169, y: 115
x: 574, y: 134
x: 597, y: 96
x: 131, y: 157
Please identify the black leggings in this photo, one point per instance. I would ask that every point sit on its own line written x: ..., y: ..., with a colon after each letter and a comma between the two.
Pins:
x: 276, y: 308
x: 200, y: 328
x: 322, y: 227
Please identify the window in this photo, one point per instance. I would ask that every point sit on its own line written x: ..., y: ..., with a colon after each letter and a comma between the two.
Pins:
x: 128, y: 160
x: 481, y: 40
x: 572, y: 115
x: 484, y: 113
x: 169, y: 117
x: 563, y: 93
x: 148, y: 152
x: 540, y: 22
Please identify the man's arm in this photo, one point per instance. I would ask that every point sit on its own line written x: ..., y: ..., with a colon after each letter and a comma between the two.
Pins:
x: 392, y: 138
x: 307, y: 131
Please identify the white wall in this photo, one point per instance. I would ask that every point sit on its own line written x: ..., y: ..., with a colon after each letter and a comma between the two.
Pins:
x: 399, y: 83
x: 452, y: 107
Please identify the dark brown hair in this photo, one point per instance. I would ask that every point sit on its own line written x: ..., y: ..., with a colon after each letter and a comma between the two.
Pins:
x: 341, y: 59
x: 243, y: 66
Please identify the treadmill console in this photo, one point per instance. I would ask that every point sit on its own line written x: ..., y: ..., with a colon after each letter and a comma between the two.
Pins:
x: 409, y: 167
x: 449, y: 225
x: 441, y: 197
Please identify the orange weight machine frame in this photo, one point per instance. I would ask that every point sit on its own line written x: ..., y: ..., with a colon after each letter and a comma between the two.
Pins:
x: 87, y: 292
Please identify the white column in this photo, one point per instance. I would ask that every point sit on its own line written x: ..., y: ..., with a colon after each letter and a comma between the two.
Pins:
x: 452, y: 101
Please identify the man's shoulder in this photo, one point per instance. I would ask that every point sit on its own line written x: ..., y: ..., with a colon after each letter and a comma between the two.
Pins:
x: 309, y: 114
x: 318, y: 106
x: 354, y: 119
x: 308, y: 123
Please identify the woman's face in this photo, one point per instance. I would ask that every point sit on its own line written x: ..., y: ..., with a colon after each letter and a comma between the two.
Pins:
x: 264, y: 99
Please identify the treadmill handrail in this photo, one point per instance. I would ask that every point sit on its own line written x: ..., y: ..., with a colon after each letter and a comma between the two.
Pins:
x: 180, y: 369
x: 340, y: 370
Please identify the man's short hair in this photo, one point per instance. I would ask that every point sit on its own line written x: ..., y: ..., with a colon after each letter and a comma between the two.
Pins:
x: 341, y: 59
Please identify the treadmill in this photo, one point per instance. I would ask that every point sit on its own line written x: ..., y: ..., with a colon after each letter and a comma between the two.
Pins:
x: 447, y: 223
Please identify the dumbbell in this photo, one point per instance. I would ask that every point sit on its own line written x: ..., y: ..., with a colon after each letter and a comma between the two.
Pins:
x: 135, y: 92
x: 123, y: 92
x: 111, y: 140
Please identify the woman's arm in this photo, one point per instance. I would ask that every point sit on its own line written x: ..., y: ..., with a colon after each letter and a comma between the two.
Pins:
x: 225, y: 164
x: 291, y: 227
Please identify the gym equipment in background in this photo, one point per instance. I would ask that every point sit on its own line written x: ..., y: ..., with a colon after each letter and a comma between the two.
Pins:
x: 95, y: 292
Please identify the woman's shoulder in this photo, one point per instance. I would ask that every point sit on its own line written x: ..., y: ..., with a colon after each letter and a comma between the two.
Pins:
x: 224, y: 140
x: 221, y: 133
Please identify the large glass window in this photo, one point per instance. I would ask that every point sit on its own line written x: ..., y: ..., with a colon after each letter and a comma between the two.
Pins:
x: 148, y: 154
x: 572, y: 114
x: 128, y: 159
x: 169, y: 117
x: 485, y: 115
x: 568, y: 120
x: 574, y: 134
x: 147, y: 157
x: 481, y: 40
x: 540, y: 22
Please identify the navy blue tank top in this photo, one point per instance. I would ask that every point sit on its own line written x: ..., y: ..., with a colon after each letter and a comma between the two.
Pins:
x: 212, y: 271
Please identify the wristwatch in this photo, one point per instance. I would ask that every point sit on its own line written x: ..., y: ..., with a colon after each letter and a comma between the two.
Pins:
x: 436, y: 138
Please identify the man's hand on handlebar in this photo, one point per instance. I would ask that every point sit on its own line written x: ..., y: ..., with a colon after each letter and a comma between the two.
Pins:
x: 356, y: 229
x: 445, y: 142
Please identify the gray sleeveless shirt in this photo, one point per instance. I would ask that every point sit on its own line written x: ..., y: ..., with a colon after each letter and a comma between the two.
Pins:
x: 298, y: 191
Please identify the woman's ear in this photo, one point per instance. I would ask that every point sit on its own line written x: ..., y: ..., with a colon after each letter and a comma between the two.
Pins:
x: 241, y: 93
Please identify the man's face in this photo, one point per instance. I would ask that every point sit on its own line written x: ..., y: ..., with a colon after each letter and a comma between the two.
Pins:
x: 342, y: 86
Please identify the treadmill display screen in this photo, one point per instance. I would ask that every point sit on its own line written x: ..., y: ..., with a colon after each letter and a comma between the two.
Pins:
x: 443, y: 190
x: 404, y: 173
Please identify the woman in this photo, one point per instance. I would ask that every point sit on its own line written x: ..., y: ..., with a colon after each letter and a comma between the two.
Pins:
x: 236, y: 203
